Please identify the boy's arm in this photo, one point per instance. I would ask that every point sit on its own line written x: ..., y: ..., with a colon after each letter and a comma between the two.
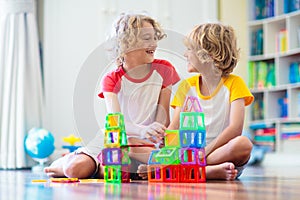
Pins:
x: 174, y: 125
x: 163, y: 107
x: 234, y: 129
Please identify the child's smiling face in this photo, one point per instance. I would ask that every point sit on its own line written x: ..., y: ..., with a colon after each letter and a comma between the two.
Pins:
x: 144, y: 50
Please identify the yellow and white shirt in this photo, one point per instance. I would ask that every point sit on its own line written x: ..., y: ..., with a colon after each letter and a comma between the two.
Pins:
x: 216, y: 107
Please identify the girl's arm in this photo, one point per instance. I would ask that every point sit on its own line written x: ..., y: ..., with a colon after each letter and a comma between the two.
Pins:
x: 163, y: 107
x: 234, y: 129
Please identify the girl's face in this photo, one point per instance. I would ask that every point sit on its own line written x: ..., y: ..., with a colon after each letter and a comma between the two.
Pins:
x: 143, y: 53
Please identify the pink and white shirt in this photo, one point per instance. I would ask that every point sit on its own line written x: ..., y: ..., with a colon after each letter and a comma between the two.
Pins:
x: 138, y: 98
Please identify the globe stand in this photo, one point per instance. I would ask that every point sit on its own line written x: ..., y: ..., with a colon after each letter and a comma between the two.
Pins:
x: 39, y: 167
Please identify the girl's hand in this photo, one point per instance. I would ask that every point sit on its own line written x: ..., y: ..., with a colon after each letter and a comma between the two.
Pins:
x: 154, y: 132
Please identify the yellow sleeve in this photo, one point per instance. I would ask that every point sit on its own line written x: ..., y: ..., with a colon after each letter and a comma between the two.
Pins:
x: 239, y: 90
x: 180, y: 95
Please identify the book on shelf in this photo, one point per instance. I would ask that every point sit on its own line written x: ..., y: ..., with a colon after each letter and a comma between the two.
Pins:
x: 271, y: 81
x: 283, y: 105
x: 290, y: 136
x: 262, y: 73
x: 257, y: 42
x: 261, y: 125
x: 265, y: 131
x: 294, y: 73
x: 290, y: 131
x: 281, y: 41
x: 258, y: 109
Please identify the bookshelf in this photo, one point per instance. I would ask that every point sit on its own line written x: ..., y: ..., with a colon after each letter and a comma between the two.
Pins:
x: 274, y: 74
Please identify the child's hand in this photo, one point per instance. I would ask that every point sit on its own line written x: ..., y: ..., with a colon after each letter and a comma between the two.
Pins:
x: 154, y: 132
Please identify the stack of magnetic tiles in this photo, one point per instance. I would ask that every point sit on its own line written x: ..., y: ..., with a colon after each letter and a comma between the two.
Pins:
x: 183, y: 157
x: 114, y: 157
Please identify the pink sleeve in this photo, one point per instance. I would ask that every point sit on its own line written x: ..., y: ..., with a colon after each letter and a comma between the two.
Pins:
x: 109, y: 83
x: 167, y: 71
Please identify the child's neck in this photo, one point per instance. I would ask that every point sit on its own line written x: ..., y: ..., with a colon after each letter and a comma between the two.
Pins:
x: 208, y: 84
x: 137, y: 71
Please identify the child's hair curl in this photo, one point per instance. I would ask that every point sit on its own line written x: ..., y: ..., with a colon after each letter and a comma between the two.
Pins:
x: 215, y: 42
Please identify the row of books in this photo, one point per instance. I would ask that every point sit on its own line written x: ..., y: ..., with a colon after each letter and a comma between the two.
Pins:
x: 291, y: 5
x: 261, y: 74
x: 257, y: 110
x: 257, y: 45
x: 263, y: 9
x: 265, y: 137
x: 290, y: 131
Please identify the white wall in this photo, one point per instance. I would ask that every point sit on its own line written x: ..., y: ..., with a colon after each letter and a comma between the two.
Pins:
x: 71, y: 30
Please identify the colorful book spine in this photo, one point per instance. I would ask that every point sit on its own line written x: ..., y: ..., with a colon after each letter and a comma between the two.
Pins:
x: 257, y: 42
x: 290, y: 131
x: 271, y: 81
x: 281, y: 41
x: 251, y: 75
x: 262, y: 74
x: 294, y: 73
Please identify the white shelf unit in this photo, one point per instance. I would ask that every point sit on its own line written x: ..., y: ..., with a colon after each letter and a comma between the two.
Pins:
x: 283, y: 88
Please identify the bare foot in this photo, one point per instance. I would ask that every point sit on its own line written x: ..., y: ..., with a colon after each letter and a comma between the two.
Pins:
x: 224, y: 171
x: 143, y: 171
x: 55, y: 169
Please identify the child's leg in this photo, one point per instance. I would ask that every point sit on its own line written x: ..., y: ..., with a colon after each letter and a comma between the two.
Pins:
x: 222, y: 163
x: 81, y: 166
x: 82, y: 163
x: 56, y: 168
x: 236, y: 151
x: 74, y: 166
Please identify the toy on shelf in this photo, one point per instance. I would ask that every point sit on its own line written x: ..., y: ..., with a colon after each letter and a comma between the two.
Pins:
x: 71, y: 139
x: 183, y: 157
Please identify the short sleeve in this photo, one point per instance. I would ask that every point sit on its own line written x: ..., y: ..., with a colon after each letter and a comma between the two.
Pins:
x: 240, y: 90
x: 110, y: 83
x: 167, y: 71
x: 180, y: 95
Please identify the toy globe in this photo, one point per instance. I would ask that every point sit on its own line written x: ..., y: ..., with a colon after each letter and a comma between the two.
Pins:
x: 39, y: 145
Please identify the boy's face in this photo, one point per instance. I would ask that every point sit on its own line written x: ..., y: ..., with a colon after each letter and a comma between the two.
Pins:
x: 144, y: 51
x: 193, y: 62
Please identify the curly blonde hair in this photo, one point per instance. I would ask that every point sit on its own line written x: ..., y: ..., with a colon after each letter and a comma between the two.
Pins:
x: 215, y: 42
x: 126, y: 32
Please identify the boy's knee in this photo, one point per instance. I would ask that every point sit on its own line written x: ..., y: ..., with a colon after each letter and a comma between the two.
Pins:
x: 81, y: 166
x: 241, y: 146
x: 70, y: 171
x: 246, y: 144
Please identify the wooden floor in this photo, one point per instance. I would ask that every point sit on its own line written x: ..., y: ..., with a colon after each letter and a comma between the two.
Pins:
x: 255, y: 183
